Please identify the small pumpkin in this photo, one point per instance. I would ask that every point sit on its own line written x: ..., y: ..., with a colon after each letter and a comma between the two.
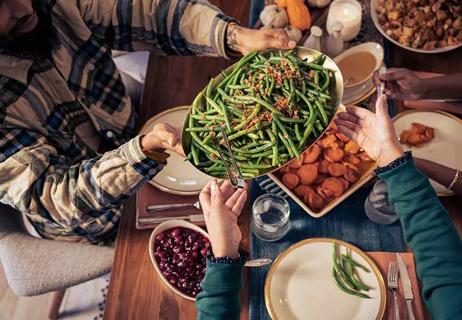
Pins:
x: 282, y: 3
x: 318, y: 3
x: 293, y: 33
x: 274, y: 17
x: 299, y: 15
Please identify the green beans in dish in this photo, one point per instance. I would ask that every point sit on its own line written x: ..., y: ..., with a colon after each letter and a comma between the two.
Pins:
x: 272, y: 106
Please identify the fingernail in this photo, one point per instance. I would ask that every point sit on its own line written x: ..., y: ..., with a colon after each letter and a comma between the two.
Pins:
x: 292, y: 43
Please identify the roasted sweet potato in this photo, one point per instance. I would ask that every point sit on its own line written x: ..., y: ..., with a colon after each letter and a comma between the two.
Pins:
x: 418, y: 134
x: 352, y: 147
x: 337, y: 169
x: 333, y: 155
x: 301, y: 190
x: 342, y: 137
x: 351, y: 175
x: 320, y: 179
x: 328, y: 140
x: 334, y: 185
x: 326, y: 194
x: 290, y: 180
x: 404, y: 136
x: 312, y: 154
x: 314, y: 201
x: 308, y: 173
x: 323, y: 166
x: 345, y: 184
x: 295, y: 164
x: 418, y: 128
x: 351, y: 166
x: 353, y: 159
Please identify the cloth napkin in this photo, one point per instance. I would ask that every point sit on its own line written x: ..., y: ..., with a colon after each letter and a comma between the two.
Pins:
x: 382, y: 259
x: 149, y: 195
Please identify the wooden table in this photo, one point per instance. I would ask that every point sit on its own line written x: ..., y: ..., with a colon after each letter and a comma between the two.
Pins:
x: 136, y: 291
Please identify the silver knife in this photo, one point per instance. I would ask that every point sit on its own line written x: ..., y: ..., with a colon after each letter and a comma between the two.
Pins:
x: 193, y: 218
x: 406, y: 282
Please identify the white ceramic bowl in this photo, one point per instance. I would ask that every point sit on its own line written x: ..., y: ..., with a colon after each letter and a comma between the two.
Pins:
x: 373, y: 48
x: 165, y: 226
x: 375, y: 19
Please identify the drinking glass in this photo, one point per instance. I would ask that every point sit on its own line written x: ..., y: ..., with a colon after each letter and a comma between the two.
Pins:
x: 377, y: 206
x: 270, y: 217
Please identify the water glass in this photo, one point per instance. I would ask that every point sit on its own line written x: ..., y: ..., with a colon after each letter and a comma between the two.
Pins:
x: 377, y: 206
x: 270, y: 217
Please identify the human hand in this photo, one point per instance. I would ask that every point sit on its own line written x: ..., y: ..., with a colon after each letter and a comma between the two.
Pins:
x: 163, y: 137
x: 403, y: 84
x: 373, y: 132
x: 222, y: 206
x: 245, y: 40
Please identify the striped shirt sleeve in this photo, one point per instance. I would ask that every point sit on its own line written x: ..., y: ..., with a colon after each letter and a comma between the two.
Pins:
x: 171, y: 27
x: 38, y: 181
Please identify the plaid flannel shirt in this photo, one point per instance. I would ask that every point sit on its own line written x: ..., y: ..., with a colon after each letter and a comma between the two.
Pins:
x: 57, y: 117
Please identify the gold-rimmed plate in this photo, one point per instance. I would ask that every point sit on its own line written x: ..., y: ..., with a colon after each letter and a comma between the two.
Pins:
x: 178, y: 176
x: 300, y: 285
x: 445, y: 148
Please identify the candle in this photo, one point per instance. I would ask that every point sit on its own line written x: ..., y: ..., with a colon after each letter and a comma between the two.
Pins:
x: 349, y: 13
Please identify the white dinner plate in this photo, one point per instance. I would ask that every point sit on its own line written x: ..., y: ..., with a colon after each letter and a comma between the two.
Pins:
x: 178, y: 176
x: 445, y: 148
x: 300, y: 285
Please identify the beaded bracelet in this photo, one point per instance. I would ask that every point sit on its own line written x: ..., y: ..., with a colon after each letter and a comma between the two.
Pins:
x: 243, y: 256
x: 395, y: 163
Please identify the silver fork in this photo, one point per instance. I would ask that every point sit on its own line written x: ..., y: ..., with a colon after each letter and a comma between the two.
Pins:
x: 392, y: 279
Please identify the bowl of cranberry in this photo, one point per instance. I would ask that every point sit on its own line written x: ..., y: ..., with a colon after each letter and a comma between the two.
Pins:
x: 178, y: 252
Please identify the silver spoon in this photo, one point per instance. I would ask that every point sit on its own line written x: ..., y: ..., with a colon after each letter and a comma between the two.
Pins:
x: 255, y: 263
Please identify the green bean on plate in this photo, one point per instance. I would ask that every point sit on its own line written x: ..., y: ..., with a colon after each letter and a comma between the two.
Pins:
x: 272, y: 105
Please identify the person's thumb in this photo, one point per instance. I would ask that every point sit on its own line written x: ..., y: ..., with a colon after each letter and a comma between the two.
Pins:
x: 381, y: 107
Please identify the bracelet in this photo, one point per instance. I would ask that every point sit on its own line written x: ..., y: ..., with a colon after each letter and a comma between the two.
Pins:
x: 243, y: 256
x: 456, y: 177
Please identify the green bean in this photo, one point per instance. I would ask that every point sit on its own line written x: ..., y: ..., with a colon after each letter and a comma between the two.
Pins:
x: 195, y: 155
x: 286, y: 135
x: 225, y: 114
x: 260, y: 101
x: 297, y: 132
x: 275, y: 160
x: 286, y: 144
x: 255, y: 112
x: 292, y: 120
x: 322, y: 112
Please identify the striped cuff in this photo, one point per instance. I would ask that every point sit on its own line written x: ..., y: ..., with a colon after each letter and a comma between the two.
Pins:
x: 145, y: 166
x: 218, y: 34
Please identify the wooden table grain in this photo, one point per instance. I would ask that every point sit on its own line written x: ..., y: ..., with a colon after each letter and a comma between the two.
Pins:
x: 135, y: 290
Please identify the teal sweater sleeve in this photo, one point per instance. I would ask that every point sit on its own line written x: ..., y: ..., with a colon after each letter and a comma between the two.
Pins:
x: 429, y: 232
x: 220, y: 296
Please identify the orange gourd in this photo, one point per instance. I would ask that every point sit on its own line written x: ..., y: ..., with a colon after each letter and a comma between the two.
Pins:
x: 299, y: 15
x: 281, y: 3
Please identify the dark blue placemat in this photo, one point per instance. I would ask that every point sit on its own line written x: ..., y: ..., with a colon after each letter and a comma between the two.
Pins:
x: 347, y: 222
